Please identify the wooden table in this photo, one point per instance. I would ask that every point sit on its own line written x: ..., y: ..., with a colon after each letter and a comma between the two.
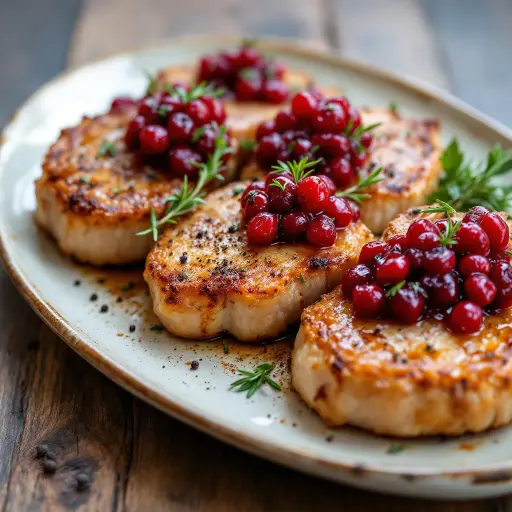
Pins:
x: 138, y: 458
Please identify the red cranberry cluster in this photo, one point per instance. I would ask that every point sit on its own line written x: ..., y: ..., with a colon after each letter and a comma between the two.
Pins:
x: 246, y: 75
x: 457, y: 272
x: 179, y: 124
x: 330, y: 128
x: 292, y: 205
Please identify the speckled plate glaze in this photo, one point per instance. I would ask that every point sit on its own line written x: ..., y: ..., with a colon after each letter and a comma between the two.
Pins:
x: 157, y: 367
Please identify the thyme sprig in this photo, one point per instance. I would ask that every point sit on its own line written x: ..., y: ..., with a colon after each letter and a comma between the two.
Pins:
x: 252, y: 381
x: 464, y: 184
x: 447, y: 238
x: 184, y: 201
x: 195, y: 92
x: 300, y: 170
x: 356, y: 192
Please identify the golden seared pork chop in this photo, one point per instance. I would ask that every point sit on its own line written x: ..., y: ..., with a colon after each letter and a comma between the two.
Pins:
x: 206, y: 280
x: 408, y: 150
x: 243, y: 117
x: 403, y: 380
x: 94, y: 194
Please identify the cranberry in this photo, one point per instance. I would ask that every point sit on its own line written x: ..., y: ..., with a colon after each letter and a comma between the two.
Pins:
x: 294, y: 224
x: 355, y: 117
x: 282, y: 196
x: 301, y: 148
x: 480, y: 289
x: 321, y: 231
x: 342, y: 102
x: 400, y: 241
x: 360, y: 274
x: 257, y: 185
x: 341, y: 172
x: 148, y: 109
x: 466, y: 318
x: 262, y: 229
x: 339, y: 210
x: 198, y: 111
x: 248, y: 88
x: 370, y: 250
x: 271, y: 176
x: 206, y: 68
x: 356, y: 211
x: 501, y: 256
x: 215, y: 108
x: 501, y: 274
x: 247, y: 58
x: 284, y: 121
x: 206, y: 142
x: 415, y: 257
x: 330, y: 184
x: 269, y: 149
x: 392, y: 268
x: 474, y: 263
x: 180, y: 128
x: 358, y: 159
x: 330, y: 118
x: 472, y: 238
x: 475, y: 214
x: 497, y: 230
x: 503, y: 298
x: 368, y: 300
x: 257, y: 202
x: 121, y: 102
x: 439, y: 260
x: 181, y: 161
x: 443, y: 290
x: 312, y: 194
x: 407, y: 304
x: 331, y: 144
x: 422, y: 234
x: 265, y: 128
x: 275, y: 91
x: 154, y: 139
x: 366, y: 139
x: 304, y: 104
x: 131, y: 137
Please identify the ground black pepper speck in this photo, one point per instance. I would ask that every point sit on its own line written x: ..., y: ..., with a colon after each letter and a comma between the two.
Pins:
x: 194, y: 365
x: 132, y: 328
x: 77, y: 282
x: 93, y: 297
x: 104, y: 308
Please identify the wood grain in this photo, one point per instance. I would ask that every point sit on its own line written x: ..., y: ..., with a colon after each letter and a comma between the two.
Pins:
x: 136, y: 457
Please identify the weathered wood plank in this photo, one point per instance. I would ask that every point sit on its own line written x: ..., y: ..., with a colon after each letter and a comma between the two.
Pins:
x: 34, y: 37
x: 151, y: 21
x: 476, y: 50
x: 395, y: 35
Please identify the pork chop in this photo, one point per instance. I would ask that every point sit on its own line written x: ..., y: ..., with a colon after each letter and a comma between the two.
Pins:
x: 205, y: 279
x: 94, y: 205
x: 402, y: 380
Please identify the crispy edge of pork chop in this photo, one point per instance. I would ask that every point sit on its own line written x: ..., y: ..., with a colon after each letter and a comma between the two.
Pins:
x: 206, y: 280
x: 94, y: 206
x: 408, y: 150
x: 242, y: 117
x: 402, y: 380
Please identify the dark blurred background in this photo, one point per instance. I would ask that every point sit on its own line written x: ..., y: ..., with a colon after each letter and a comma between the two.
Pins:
x: 461, y: 45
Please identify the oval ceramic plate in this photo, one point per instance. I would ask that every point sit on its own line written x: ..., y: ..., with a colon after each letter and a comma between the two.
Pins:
x: 156, y: 366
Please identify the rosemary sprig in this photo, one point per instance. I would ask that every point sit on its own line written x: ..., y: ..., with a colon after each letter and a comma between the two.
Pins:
x: 279, y: 185
x: 188, y: 198
x: 252, y: 381
x: 356, y: 192
x: 152, y: 83
x: 299, y: 170
x: 464, y: 184
x: 195, y: 92
x: 447, y: 238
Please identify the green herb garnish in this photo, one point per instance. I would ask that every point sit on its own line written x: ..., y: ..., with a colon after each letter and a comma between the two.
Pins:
x: 356, y: 192
x: 196, y: 92
x: 395, y: 289
x: 247, y: 145
x: 106, y: 148
x: 395, y: 448
x: 299, y: 170
x: 393, y: 107
x: 252, y: 381
x: 447, y: 238
x: 85, y: 179
x: 188, y: 198
x: 157, y: 328
x: 465, y: 185
x: 302, y: 279
x: 152, y: 84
